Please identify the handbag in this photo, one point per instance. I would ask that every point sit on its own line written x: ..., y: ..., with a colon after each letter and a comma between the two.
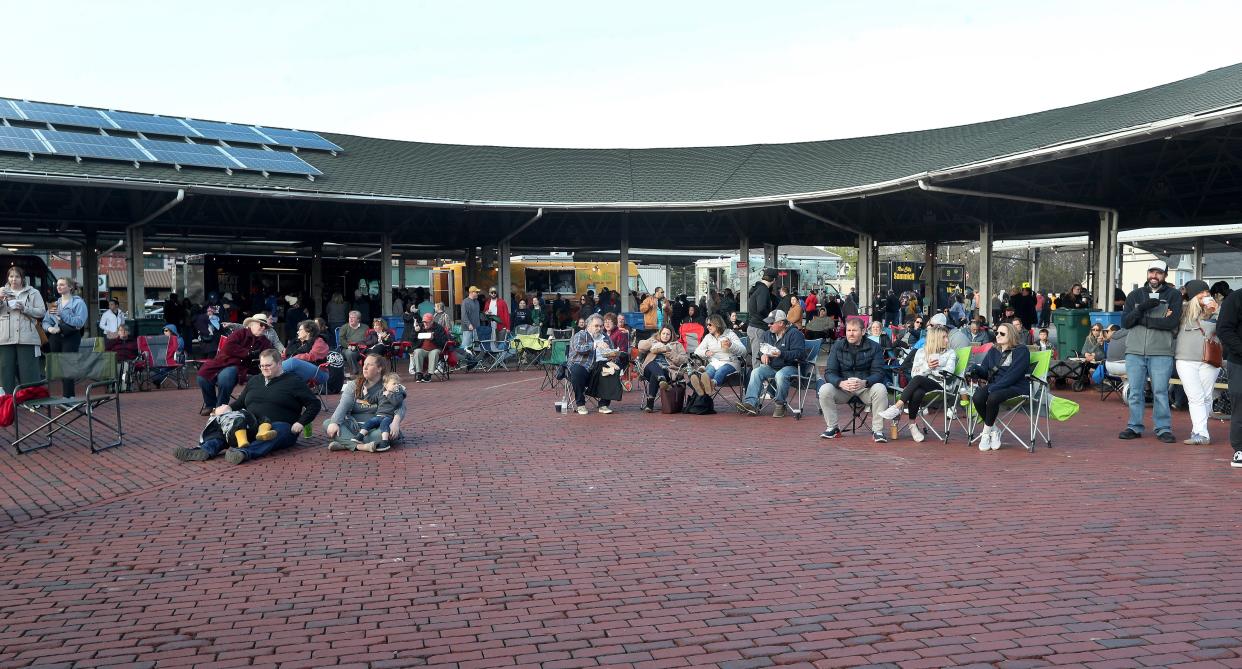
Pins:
x: 672, y: 397
x: 1213, y: 352
x: 38, y: 326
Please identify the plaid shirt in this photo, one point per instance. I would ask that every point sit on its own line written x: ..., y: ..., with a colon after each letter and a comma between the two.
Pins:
x: 582, y: 349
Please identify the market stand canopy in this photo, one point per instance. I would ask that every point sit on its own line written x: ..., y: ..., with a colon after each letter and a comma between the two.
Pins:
x: 1114, y: 152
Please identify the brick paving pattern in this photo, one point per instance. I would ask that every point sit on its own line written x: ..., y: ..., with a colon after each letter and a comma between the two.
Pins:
x: 507, y: 535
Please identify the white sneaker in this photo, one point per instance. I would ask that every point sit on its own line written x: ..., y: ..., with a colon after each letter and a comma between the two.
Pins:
x: 605, y: 409
x: 985, y: 440
x: 916, y: 433
x: 582, y: 411
x: 996, y: 438
x: 892, y: 412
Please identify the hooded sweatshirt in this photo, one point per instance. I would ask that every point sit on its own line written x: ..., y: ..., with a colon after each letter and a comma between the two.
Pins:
x: 16, y: 327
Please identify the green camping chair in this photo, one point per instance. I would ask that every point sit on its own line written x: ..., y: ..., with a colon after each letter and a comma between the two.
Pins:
x: 556, y: 358
x: 1033, y: 405
x: 944, y: 402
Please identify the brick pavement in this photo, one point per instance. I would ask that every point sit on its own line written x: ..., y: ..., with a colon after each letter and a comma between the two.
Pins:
x: 508, y: 535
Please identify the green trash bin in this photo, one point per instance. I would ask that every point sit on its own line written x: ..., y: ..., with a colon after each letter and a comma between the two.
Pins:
x: 1072, y: 326
x: 144, y: 327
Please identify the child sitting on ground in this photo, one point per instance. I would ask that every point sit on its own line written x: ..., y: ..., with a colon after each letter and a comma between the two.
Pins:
x: 390, y: 402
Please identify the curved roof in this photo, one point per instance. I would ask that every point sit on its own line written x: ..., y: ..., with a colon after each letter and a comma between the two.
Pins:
x: 694, y: 177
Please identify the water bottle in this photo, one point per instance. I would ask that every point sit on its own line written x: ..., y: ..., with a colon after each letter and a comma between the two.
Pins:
x: 306, y: 431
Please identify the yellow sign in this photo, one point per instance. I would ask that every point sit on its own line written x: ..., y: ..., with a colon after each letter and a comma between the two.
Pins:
x: 1026, y: 284
x: 903, y: 272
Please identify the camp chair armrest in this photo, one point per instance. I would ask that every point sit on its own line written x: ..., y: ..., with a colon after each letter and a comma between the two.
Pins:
x: 100, y: 384
x: 35, y: 384
x: 1036, y: 379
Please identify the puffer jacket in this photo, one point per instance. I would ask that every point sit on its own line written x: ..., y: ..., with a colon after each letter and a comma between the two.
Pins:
x: 16, y: 327
x: 1151, y: 331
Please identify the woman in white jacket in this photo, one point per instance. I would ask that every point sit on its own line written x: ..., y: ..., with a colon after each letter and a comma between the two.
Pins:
x: 722, y: 347
x: 926, y: 375
x: 21, y: 312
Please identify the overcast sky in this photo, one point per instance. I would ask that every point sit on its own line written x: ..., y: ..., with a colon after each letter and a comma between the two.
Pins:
x: 626, y: 74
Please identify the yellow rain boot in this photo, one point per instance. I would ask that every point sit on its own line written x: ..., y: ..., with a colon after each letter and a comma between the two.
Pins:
x: 243, y: 439
x: 265, y: 433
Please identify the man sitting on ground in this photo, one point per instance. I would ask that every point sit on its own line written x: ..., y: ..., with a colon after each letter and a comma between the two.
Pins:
x: 855, y: 369
x: 275, y: 398
x: 359, y: 403
x: 780, y: 364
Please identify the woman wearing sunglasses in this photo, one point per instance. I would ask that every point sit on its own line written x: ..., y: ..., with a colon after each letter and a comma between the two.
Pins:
x: 1004, y: 368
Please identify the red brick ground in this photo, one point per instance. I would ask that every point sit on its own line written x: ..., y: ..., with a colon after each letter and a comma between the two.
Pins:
x: 507, y: 535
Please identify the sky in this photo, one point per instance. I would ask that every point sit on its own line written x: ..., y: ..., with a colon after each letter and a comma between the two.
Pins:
x: 592, y: 74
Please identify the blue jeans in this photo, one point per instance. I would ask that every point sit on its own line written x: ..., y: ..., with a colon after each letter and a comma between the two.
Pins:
x: 285, y: 437
x: 763, y: 373
x: 1160, y: 369
x: 721, y: 373
x: 383, y: 423
x: 307, y: 371
x: 220, y: 392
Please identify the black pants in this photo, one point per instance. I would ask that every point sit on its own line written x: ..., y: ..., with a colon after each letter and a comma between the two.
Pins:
x: 63, y: 343
x: 653, y: 372
x: 579, y: 377
x: 988, y: 403
x: 1235, y: 398
x: 914, y: 392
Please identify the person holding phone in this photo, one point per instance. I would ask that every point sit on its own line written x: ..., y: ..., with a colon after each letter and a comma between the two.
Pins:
x: 1151, y: 316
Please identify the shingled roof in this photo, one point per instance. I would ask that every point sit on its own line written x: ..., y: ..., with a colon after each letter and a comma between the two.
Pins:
x: 702, y: 177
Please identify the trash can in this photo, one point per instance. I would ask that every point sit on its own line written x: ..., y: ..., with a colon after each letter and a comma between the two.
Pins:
x: 395, y: 323
x: 1072, y: 326
x: 1106, y: 318
x: 144, y: 327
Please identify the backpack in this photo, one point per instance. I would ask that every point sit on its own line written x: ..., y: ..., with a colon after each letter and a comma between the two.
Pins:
x: 336, y: 372
x: 699, y: 405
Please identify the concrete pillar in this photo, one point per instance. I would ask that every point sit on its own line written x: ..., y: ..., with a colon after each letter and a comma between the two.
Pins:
x: 136, y: 289
x: 769, y: 255
x: 1035, y: 270
x: 1107, y: 263
x: 90, y: 283
x: 386, y: 274
x: 623, y: 270
x: 743, y: 255
x: 1197, y: 257
x: 316, y: 280
x: 401, y: 271
x: 929, y: 278
x: 864, y: 270
x: 983, y: 283
x: 504, y: 272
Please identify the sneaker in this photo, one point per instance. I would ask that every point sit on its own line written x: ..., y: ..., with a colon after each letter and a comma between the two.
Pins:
x: 891, y: 413
x: 779, y: 411
x: 916, y: 434
x: 649, y: 405
x: 985, y: 440
x: 747, y: 408
x: 996, y: 439
x: 879, y: 438
x: 1237, y: 459
x: 605, y: 410
x: 582, y: 411
x: 235, y: 456
x: 830, y: 433
x: 1166, y: 437
x: 190, y: 454
x: 1128, y: 434
x: 1197, y: 440
x: 205, y: 411
x: 340, y: 446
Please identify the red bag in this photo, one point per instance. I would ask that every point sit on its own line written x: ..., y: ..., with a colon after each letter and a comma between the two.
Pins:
x: 23, y: 395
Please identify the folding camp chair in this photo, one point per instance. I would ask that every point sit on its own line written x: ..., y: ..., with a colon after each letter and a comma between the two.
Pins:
x: 56, y: 416
x: 945, y: 401
x: 1033, y: 405
x: 528, y: 346
x: 558, y: 354
x: 162, y: 360
x: 496, y: 351
x: 807, y: 377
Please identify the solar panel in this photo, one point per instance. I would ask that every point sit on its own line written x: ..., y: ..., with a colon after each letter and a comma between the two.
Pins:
x: 227, y: 131
x: 84, y: 145
x: 182, y: 153
x: 273, y: 161
x: 7, y: 110
x: 160, y: 125
x: 299, y: 138
x: 64, y: 115
x: 22, y: 140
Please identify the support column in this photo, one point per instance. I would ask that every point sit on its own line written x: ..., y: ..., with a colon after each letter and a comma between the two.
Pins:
x: 1107, y: 265
x: 401, y: 271
x: 90, y: 283
x: 769, y: 255
x: 929, y: 305
x: 136, y: 289
x: 1035, y: 270
x: 316, y: 280
x: 1197, y: 257
x: 983, y: 283
x: 864, y: 273
x: 504, y: 272
x: 623, y: 271
x: 386, y: 274
x: 743, y: 278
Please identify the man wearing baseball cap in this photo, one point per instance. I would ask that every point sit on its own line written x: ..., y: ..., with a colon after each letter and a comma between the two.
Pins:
x: 781, y: 365
x: 1151, y: 316
x: 469, y: 318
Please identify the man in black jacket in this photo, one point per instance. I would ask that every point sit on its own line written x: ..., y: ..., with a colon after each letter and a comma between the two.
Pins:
x: 1229, y: 329
x: 1024, y: 306
x: 759, y: 303
x: 283, y: 400
x: 855, y: 368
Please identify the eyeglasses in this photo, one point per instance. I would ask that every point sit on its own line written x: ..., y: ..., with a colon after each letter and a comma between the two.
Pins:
x: 1000, y: 334
x: 267, y: 366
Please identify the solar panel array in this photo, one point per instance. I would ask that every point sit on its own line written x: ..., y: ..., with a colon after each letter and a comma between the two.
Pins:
x: 87, y: 145
x: 86, y: 117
